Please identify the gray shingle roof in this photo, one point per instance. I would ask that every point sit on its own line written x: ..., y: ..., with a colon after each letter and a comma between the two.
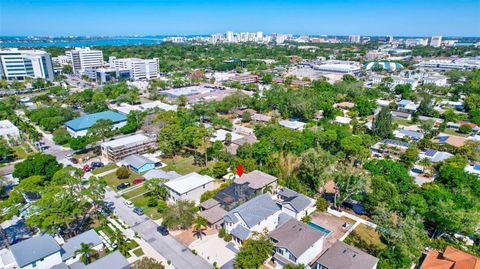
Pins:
x: 296, y: 236
x: 343, y: 256
x: 241, y: 232
x: 159, y: 173
x: 34, y: 249
x: 298, y: 201
x: 114, y: 260
x: 255, y: 210
x: 74, y: 243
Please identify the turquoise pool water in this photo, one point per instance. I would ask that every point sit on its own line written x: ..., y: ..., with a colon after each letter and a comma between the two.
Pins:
x: 320, y: 228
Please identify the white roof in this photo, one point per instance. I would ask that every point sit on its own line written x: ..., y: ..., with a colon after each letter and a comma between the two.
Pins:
x: 188, y: 182
x: 343, y: 120
x: 138, y: 138
x: 220, y: 135
x: 126, y: 108
x: 292, y: 124
x: 7, y: 128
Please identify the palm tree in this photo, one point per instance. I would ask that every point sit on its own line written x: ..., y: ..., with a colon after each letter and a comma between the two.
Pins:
x: 268, y: 189
x: 425, y: 163
x: 86, y: 251
x: 122, y: 244
x: 199, y: 227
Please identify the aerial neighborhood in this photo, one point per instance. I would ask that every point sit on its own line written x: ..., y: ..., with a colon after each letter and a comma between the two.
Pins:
x: 241, y: 150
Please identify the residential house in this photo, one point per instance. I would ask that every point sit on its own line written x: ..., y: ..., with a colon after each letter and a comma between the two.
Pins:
x: 293, y: 124
x: 249, y: 139
x: 401, y: 115
x: 259, y: 118
x: 296, y: 243
x: 408, y: 134
x: 295, y: 204
x: 456, y: 141
x: 211, y: 211
x: 342, y: 120
x: 159, y: 173
x: 118, y: 149
x: 451, y: 258
x: 40, y: 252
x: 79, y: 126
x: 389, y: 147
x: 343, y: 256
x: 189, y: 187
x: 114, y: 260
x: 256, y: 215
x: 345, y: 105
x: 221, y: 134
x: 434, y: 156
x: 8, y: 130
x: 407, y: 106
x: 139, y: 163
x: 73, y: 244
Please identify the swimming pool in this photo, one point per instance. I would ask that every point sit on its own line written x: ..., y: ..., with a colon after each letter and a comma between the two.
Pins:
x: 320, y: 228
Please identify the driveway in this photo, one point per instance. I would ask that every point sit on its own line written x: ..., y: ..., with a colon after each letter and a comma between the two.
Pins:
x: 215, y: 249
x: 174, y: 251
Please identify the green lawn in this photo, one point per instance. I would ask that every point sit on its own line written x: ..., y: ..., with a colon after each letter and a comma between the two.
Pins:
x: 135, y: 192
x: 142, y: 202
x: 453, y: 132
x: 403, y: 122
x: 369, y: 236
x: 113, y: 181
x: 20, y: 152
x: 138, y: 252
x: 181, y: 165
x: 104, y: 169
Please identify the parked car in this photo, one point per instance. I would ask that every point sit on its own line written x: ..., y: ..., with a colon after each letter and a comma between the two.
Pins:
x: 96, y: 164
x: 162, y: 230
x: 129, y: 203
x: 138, y: 211
x: 138, y: 181
x: 122, y: 186
x: 74, y: 161
x: 86, y: 168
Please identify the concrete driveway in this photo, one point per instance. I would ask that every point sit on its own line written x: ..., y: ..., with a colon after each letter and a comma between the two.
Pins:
x: 215, y: 249
x: 174, y: 251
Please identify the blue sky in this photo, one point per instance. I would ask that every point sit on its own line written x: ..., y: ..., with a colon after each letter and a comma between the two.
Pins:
x: 336, y: 17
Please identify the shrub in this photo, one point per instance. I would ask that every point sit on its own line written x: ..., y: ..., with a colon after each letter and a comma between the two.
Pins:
x: 227, y: 237
x: 221, y: 233
x: 465, y: 129
x: 194, y: 252
x: 161, y: 206
x: 152, y: 201
x: 123, y: 172
x: 322, y: 204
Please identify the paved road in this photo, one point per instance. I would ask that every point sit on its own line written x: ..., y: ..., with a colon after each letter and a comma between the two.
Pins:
x: 169, y: 247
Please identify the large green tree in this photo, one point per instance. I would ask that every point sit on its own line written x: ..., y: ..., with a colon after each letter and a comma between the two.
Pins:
x: 383, y: 123
x: 254, y: 252
x: 37, y: 164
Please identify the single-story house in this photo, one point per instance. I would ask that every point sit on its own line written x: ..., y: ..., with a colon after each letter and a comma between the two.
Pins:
x: 452, y: 140
x: 407, y: 106
x: 256, y: 118
x: 8, y: 130
x: 401, y: 115
x: 79, y: 126
x: 114, y: 260
x: 434, y: 155
x: 73, y: 244
x: 213, y: 213
x: 159, y: 173
x: 293, y: 124
x: 296, y: 243
x: 342, y: 120
x: 345, y: 105
x: 343, y: 256
x: 139, y: 163
x: 189, y: 187
x: 41, y: 251
x: 220, y: 135
x: 408, y: 134
x: 389, y: 147
x: 450, y: 258
x: 249, y: 139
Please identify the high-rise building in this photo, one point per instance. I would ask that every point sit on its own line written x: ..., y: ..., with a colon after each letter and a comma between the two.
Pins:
x: 436, y: 41
x: 85, y: 59
x: 140, y: 69
x: 20, y: 64
x: 230, y: 37
x: 390, y: 39
x: 354, y: 39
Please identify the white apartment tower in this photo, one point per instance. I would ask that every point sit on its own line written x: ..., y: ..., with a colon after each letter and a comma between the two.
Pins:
x: 230, y: 37
x: 140, y: 69
x: 436, y: 41
x: 20, y: 64
x: 354, y: 39
x: 85, y: 59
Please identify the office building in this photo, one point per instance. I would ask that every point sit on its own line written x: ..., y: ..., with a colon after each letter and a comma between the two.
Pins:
x: 118, y: 149
x: 84, y: 59
x: 390, y: 39
x: 104, y: 75
x: 436, y: 41
x: 140, y: 69
x: 20, y: 64
x: 354, y: 39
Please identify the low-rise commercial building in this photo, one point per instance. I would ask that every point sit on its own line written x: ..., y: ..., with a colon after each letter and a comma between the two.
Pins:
x: 85, y: 60
x: 140, y: 69
x: 79, y: 126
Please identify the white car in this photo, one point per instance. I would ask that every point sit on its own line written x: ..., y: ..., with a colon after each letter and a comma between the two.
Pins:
x: 129, y: 203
